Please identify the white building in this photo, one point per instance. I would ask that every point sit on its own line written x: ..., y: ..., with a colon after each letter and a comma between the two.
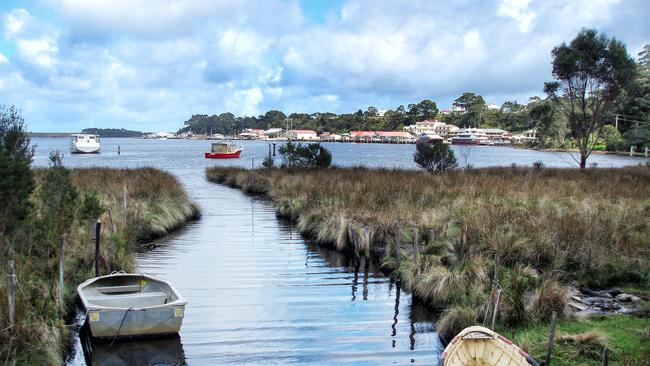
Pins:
x: 428, y: 127
x: 306, y: 135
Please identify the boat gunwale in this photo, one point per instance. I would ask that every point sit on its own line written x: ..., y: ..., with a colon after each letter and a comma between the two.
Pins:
x: 180, y: 301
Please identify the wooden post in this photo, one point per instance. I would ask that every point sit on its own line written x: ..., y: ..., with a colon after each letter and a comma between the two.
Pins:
x: 64, y: 239
x: 118, y: 149
x: 551, y: 340
x: 124, y: 206
x: 495, y: 280
x: 646, y: 152
x: 252, y: 163
x: 631, y: 150
x: 396, y: 242
x: 606, y: 356
x: 98, y: 228
x: 432, y: 236
x: 269, y: 151
x: 495, y: 313
x: 274, y: 149
x: 416, y: 239
x: 11, y: 294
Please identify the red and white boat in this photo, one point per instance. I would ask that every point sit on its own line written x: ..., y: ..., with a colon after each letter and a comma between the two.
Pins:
x: 223, y: 150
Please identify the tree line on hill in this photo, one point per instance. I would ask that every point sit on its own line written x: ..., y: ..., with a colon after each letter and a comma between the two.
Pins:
x: 112, y: 132
x: 617, y: 102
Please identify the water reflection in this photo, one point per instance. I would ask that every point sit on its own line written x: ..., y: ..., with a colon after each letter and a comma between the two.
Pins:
x: 166, y: 351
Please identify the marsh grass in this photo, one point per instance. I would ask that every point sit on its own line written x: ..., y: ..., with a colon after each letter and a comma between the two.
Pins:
x: 551, y: 228
x: 156, y: 205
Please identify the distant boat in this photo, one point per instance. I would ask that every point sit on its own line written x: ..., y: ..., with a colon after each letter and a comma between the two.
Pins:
x: 84, y: 143
x: 223, y: 150
x: 476, y: 346
x: 465, y: 139
x: 126, y: 305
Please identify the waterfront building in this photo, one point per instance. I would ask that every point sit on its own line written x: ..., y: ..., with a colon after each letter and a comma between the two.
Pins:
x: 429, y: 127
x: 303, y: 135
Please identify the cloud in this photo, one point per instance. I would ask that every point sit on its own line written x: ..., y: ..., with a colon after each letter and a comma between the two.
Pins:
x: 517, y: 10
x: 149, y: 65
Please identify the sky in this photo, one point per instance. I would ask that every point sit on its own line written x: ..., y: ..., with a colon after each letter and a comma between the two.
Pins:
x: 149, y: 65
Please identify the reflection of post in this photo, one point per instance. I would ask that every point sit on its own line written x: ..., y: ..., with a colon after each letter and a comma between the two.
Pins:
x: 365, y: 278
x: 355, y: 281
x: 398, y: 290
x: 412, y: 334
x: 252, y: 220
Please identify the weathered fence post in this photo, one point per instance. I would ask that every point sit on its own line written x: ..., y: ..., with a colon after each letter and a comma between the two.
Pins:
x: 274, y: 149
x: 551, y: 339
x: 416, y: 239
x: 269, y: 151
x: 11, y: 294
x: 64, y: 239
x: 495, y: 312
x: 124, y: 205
x: 98, y: 228
x: 397, y: 245
x: 605, y: 356
x: 646, y: 152
x: 118, y: 149
x: 252, y: 163
x: 631, y: 150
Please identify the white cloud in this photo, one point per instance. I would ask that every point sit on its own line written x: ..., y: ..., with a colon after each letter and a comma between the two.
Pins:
x: 41, y: 52
x: 15, y: 21
x: 3, y: 58
x: 245, y: 102
x: 517, y: 10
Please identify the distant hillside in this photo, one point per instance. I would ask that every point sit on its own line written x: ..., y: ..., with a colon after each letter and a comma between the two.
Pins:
x: 112, y: 132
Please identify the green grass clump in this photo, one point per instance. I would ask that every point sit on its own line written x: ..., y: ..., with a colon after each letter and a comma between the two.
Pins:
x: 582, y: 341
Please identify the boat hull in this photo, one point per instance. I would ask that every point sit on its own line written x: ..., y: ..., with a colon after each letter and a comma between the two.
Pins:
x: 479, y: 346
x: 136, y: 322
x: 229, y: 155
x: 464, y: 142
x: 84, y: 149
x: 131, y: 305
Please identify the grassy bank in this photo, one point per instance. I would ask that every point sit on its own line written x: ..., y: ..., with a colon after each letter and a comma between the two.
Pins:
x: 155, y: 205
x: 551, y: 229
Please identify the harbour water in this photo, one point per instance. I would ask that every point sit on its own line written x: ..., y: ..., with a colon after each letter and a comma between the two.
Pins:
x: 260, y: 294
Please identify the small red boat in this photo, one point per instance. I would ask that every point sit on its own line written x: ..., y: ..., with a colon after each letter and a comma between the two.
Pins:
x: 223, y: 150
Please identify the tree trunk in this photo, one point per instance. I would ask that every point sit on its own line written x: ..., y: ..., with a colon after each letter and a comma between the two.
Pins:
x: 583, y: 160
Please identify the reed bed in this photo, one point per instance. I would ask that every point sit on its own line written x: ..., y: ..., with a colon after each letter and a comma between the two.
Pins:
x: 549, y: 228
x: 156, y: 204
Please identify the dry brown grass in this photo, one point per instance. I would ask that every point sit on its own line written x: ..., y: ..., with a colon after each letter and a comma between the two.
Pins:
x: 569, y: 226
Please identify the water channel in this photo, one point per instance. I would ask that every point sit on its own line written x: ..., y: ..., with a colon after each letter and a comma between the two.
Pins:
x: 259, y: 293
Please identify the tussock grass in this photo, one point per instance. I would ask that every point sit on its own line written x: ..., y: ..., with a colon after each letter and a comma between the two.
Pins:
x: 550, y: 228
x: 156, y: 205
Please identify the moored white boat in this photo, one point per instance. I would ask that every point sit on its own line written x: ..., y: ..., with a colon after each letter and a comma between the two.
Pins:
x: 479, y: 346
x: 84, y: 143
x: 125, y: 304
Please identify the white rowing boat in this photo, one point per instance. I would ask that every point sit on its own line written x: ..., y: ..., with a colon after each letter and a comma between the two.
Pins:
x: 124, y: 305
x: 479, y: 346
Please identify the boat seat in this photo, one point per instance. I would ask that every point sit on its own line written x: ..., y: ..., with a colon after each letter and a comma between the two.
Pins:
x: 119, y: 289
x: 134, y: 300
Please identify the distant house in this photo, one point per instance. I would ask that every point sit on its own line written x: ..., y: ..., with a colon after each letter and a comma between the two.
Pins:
x: 303, y: 135
x: 274, y: 133
x: 382, y: 136
x: 429, y: 127
x: 252, y: 134
x: 528, y: 136
x: 395, y: 136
